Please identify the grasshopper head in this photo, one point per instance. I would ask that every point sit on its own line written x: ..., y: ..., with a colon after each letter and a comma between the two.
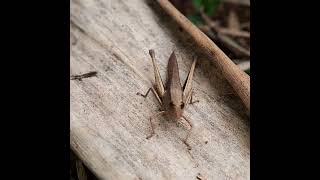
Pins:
x: 176, y: 110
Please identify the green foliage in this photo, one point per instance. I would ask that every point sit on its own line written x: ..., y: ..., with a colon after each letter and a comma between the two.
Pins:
x: 208, y: 5
x: 247, y: 71
x: 195, y: 19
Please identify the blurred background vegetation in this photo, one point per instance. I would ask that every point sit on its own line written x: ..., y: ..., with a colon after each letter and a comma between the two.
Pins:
x: 226, y: 22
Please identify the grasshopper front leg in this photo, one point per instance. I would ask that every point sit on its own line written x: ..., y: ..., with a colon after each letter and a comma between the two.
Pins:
x: 151, y: 118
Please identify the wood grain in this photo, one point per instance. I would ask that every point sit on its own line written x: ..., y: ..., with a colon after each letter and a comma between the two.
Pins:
x: 109, y: 122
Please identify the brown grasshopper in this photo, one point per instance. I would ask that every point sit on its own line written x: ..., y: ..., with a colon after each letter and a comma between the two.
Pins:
x: 173, y: 98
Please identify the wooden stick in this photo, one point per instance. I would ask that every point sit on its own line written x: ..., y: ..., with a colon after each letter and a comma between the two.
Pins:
x: 232, y: 45
x: 239, y: 2
x: 235, y: 33
x: 227, y: 41
x: 221, y: 30
x: 238, y: 79
x: 243, y: 64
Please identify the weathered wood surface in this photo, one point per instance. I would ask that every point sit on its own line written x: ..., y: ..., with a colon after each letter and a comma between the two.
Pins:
x: 109, y: 122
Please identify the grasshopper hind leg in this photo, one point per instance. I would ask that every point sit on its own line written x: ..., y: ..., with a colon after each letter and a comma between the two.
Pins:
x: 154, y: 92
x: 157, y: 88
x: 145, y: 95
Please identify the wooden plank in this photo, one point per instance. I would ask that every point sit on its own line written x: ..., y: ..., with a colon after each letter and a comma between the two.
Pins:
x: 109, y: 122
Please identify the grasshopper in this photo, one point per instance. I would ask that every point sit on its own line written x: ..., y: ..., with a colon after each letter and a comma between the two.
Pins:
x: 172, y: 97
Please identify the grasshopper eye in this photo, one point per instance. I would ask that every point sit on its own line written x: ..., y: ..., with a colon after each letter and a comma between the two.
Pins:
x: 182, y: 105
